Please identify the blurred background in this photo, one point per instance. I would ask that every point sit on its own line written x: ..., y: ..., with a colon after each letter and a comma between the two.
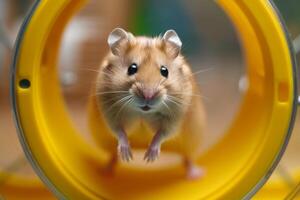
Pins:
x: 210, y: 44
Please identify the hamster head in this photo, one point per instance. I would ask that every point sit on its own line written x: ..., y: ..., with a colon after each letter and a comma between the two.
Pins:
x: 144, y: 74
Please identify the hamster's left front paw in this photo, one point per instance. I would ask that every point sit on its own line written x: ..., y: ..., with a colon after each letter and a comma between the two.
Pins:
x: 152, y: 154
x: 125, y: 152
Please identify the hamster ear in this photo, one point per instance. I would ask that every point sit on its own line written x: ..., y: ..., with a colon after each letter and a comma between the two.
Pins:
x: 117, y: 39
x: 173, y: 43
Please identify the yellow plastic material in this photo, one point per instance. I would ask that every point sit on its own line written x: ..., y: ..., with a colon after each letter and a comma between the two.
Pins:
x: 234, y: 166
x: 278, y: 189
x: 18, y: 188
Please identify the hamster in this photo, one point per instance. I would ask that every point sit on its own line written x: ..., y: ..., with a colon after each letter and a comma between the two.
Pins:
x: 147, y: 82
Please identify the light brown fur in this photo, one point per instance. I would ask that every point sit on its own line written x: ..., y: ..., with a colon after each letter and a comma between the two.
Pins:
x: 182, y: 120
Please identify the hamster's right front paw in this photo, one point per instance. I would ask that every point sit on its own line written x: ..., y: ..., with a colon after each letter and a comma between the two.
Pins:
x: 125, y: 152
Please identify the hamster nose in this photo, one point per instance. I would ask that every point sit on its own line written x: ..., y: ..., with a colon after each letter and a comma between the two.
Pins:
x: 149, y: 94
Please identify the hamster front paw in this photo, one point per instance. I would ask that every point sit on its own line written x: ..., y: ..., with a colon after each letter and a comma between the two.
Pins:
x: 125, y: 152
x: 152, y: 154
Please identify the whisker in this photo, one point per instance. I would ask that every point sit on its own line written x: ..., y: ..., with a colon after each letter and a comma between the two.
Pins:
x: 203, y: 70
x: 119, y: 94
x: 112, y: 92
x: 174, y: 102
x: 118, y: 102
x: 96, y: 94
x: 113, y: 99
x: 187, y: 94
x: 124, y: 105
x: 168, y: 108
x: 88, y: 69
x: 178, y: 98
x: 177, y: 101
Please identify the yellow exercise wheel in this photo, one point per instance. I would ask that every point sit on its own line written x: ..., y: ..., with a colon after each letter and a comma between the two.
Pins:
x: 17, y: 188
x: 237, y: 166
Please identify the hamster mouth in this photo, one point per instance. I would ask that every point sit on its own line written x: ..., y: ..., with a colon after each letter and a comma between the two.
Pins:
x: 145, y: 108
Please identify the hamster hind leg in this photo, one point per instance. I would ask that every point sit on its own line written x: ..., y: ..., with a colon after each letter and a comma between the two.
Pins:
x: 191, y: 142
x: 193, y: 171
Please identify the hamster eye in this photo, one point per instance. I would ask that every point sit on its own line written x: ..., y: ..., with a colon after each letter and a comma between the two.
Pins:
x: 164, y: 71
x: 132, y: 69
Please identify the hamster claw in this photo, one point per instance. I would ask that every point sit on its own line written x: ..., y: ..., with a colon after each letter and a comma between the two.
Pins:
x: 125, y: 153
x: 151, y: 154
